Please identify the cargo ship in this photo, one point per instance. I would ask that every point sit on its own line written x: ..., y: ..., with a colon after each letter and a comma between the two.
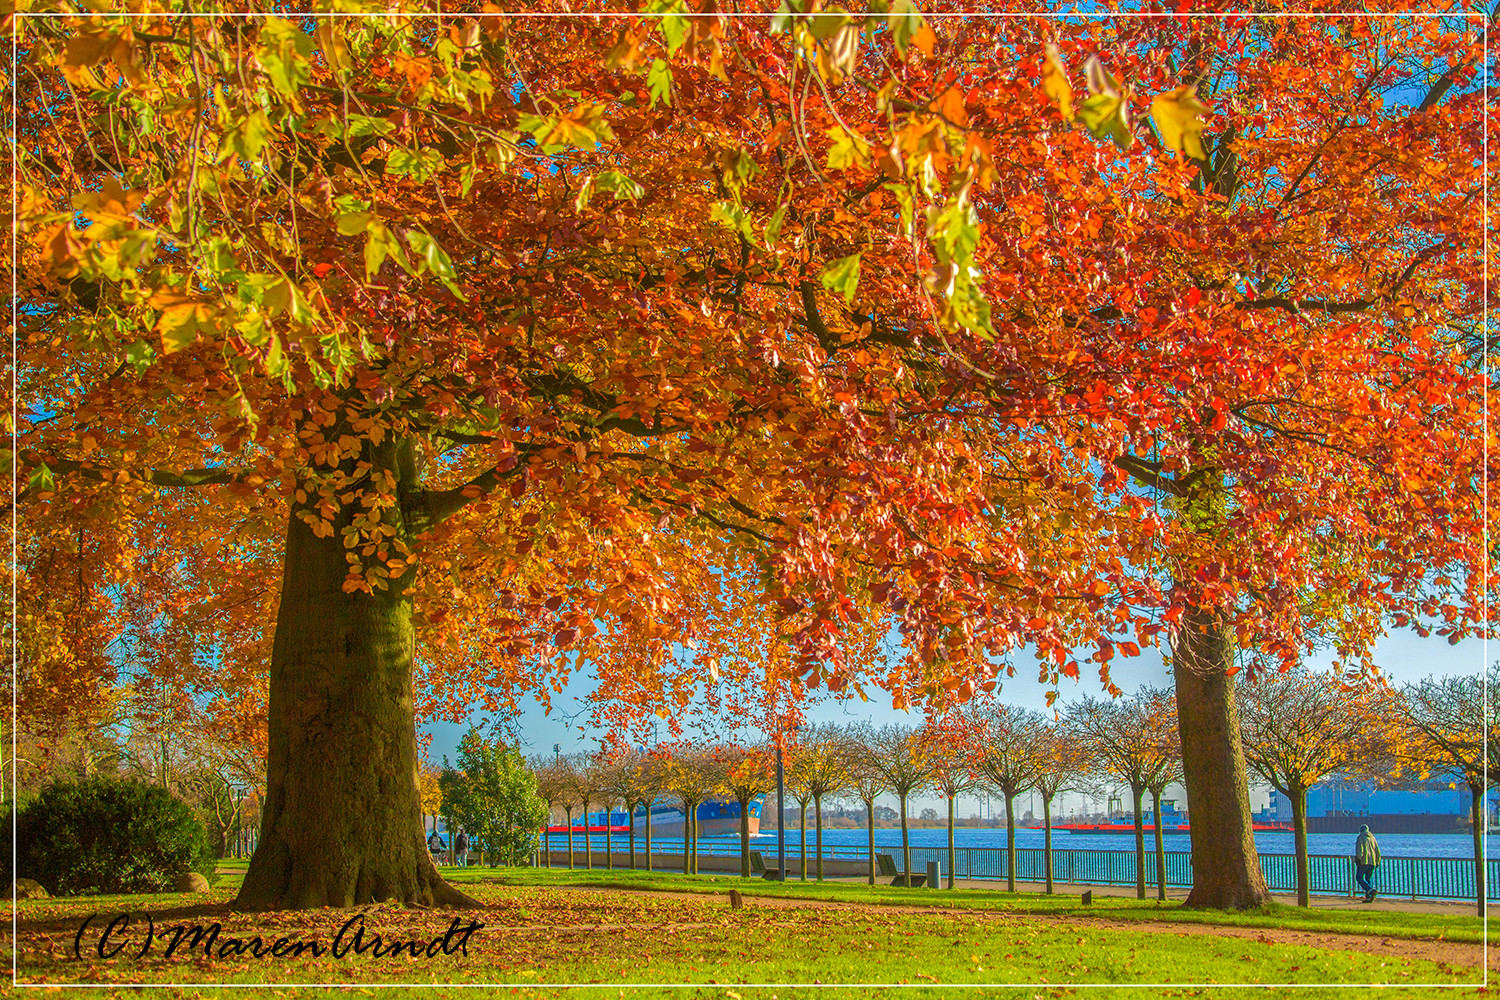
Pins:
x: 715, y: 819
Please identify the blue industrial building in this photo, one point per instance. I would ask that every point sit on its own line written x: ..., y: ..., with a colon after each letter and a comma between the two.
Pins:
x: 1342, y: 807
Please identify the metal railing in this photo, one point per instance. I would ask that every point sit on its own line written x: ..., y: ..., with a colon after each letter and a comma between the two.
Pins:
x: 1328, y: 874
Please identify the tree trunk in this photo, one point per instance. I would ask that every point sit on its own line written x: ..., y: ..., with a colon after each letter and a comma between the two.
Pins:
x: 950, y: 842
x: 588, y: 845
x: 744, y: 838
x: 648, y: 836
x: 695, y: 840
x: 687, y: 839
x: 1137, y: 792
x: 1047, y: 839
x: 570, y: 837
x: 905, y: 844
x: 341, y: 770
x: 609, y: 836
x: 1010, y: 841
x: 1226, y: 867
x: 1299, y: 839
x: 631, y: 807
x: 1161, y: 850
x: 802, y: 835
x: 1476, y: 819
x: 870, y: 831
x: 818, y: 849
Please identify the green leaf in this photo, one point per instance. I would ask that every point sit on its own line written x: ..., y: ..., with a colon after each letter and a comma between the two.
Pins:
x: 41, y: 480
x: 419, y: 165
x: 1105, y: 115
x: 435, y: 259
x: 842, y: 276
x: 732, y: 215
x: 354, y: 223
x: 246, y: 139
x: 659, y: 82
x: 954, y: 232
x: 619, y: 185
x: 827, y: 25
x: 285, y: 55
x: 674, y: 25
x: 379, y: 245
x: 904, y: 21
x: 848, y: 150
x: 773, y: 228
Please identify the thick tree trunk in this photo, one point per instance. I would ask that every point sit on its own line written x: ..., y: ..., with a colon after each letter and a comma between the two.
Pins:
x: 1299, y: 841
x: 1161, y: 850
x: 1476, y: 819
x: 1226, y: 867
x: 870, y: 832
x: 1047, y: 839
x: 1137, y: 792
x: 950, y: 842
x: 341, y: 770
x: 818, y: 848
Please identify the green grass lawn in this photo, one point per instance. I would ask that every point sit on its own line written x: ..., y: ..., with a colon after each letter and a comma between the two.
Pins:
x: 544, y: 929
x: 1387, y: 923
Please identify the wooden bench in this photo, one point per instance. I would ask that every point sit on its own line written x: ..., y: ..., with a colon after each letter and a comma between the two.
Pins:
x: 886, y: 865
x: 757, y: 865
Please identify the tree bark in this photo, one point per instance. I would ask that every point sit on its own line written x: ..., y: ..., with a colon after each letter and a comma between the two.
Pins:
x: 818, y: 848
x: 1226, y: 867
x: 1010, y: 841
x: 631, y: 807
x: 950, y: 842
x: 687, y: 838
x: 609, y: 836
x: 588, y: 845
x: 648, y: 836
x: 341, y: 770
x: 1298, y: 795
x: 802, y: 835
x: 905, y: 845
x: 1161, y: 850
x: 1476, y: 820
x: 744, y: 838
x: 870, y: 831
x: 1047, y: 839
x: 1137, y: 792
x: 570, y: 836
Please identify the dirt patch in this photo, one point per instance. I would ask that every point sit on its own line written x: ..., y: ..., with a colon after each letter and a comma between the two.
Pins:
x: 1444, y: 953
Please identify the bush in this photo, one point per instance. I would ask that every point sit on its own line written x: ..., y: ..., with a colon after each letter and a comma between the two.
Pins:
x: 109, y: 836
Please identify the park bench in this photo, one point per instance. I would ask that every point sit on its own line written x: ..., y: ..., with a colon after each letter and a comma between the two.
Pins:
x: 887, y: 866
x: 757, y: 865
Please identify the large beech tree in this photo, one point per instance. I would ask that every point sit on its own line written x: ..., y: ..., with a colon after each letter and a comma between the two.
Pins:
x: 522, y: 336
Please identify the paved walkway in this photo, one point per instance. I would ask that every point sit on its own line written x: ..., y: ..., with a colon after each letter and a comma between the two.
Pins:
x: 1392, y: 903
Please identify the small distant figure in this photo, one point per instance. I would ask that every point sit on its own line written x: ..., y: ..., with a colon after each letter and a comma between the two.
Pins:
x: 435, y: 843
x: 461, y: 844
x: 1366, y: 858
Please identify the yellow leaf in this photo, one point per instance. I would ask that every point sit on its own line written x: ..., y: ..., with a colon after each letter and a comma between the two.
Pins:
x: 924, y: 39
x: 1178, y: 116
x: 1055, y: 81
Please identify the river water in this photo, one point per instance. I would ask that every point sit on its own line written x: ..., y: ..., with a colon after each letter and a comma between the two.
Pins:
x: 1392, y: 845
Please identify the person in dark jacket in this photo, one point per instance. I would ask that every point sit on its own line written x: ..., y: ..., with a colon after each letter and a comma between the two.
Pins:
x: 461, y: 844
x: 1366, y: 860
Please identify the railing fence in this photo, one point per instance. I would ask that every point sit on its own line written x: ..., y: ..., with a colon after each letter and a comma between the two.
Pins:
x: 1328, y: 874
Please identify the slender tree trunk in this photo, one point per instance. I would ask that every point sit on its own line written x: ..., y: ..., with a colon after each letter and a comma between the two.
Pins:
x: 1299, y: 839
x: 1010, y: 841
x: 695, y: 838
x: 648, y: 836
x: 632, y: 836
x: 818, y: 820
x: 1161, y: 850
x: 802, y: 835
x: 870, y: 832
x: 1226, y: 867
x: 570, y: 836
x: 1047, y: 839
x: 609, y: 836
x: 744, y: 838
x: 905, y: 844
x: 687, y: 839
x: 588, y: 841
x: 1137, y: 792
x: 341, y: 768
x: 950, y: 842
x: 1476, y: 820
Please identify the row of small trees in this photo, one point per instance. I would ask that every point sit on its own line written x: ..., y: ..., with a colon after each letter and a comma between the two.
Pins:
x: 1298, y: 729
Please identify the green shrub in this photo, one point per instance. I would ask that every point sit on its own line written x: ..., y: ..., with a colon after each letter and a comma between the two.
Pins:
x: 109, y: 836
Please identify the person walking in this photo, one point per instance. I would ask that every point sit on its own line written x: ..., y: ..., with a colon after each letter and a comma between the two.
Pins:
x: 435, y: 843
x: 461, y: 844
x: 1366, y: 858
